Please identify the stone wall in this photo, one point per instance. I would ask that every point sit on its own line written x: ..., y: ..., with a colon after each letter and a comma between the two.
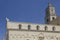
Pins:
x: 32, y: 26
x: 33, y: 35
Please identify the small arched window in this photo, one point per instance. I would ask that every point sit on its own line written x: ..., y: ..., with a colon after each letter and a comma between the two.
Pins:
x: 46, y: 28
x: 53, y: 28
x: 37, y: 27
x: 53, y: 18
x: 29, y: 27
x: 20, y: 26
x: 47, y: 20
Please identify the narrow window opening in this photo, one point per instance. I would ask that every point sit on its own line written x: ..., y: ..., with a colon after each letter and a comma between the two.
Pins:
x: 37, y: 27
x: 47, y: 20
x: 19, y: 26
x: 29, y: 27
x: 53, y: 18
x: 46, y: 28
x: 53, y: 28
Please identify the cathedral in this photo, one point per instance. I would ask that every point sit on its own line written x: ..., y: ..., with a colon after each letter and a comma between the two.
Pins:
x: 32, y: 31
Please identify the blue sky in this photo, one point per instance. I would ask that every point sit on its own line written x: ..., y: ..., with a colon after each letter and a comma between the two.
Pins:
x: 24, y: 11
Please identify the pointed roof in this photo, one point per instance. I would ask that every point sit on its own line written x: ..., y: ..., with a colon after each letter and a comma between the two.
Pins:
x: 49, y: 4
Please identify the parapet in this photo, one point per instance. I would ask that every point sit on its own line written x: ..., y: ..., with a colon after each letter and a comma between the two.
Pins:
x: 31, y: 26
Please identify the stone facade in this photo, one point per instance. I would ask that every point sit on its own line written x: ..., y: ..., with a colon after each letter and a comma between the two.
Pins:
x: 22, y: 31
x: 33, y: 31
x: 33, y: 35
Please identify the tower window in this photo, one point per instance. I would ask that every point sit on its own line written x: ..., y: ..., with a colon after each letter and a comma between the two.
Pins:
x: 53, y: 28
x: 19, y: 26
x: 46, y: 28
x: 47, y: 20
x: 29, y: 27
x: 37, y: 27
x: 53, y: 18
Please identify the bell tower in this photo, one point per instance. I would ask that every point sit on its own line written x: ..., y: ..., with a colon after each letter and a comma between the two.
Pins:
x: 50, y: 14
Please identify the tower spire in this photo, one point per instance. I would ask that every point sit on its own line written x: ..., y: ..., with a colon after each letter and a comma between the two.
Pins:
x: 50, y: 13
x: 49, y: 3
